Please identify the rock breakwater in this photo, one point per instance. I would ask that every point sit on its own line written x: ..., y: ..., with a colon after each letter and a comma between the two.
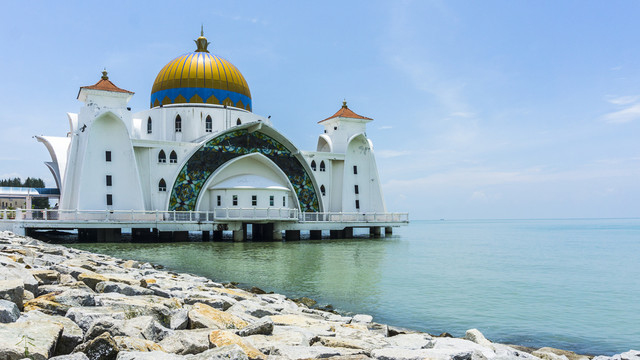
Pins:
x: 62, y: 303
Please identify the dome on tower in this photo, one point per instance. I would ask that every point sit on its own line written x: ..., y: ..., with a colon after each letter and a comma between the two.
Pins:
x: 200, y: 77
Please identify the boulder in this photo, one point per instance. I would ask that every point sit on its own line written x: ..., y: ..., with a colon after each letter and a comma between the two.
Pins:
x: 114, y: 327
x: 148, y: 327
x: 263, y: 326
x: 455, y: 347
x: 186, y: 341
x: 362, y: 318
x: 629, y: 355
x: 204, y: 316
x: 549, y: 353
x: 226, y: 352
x: 411, y: 341
x: 71, y: 333
x: 220, y: 338
x: 103, y: 347
x: 12, y: 290
x: 85, y: 316
x: 16, y: 272
x: 127, y: 343
x: 179, y: 319
x: 46, y: 306
x: 46, y: 276
x: 91, y: 279
x: 75, y: 356
x: 219, y: 302
x: 314, y: 352
x: 253, y: 308
x: 34, y: 339
x: 477, y: 337
x: 9, y: 311
x: 73, y: 297
x: 121, y: 288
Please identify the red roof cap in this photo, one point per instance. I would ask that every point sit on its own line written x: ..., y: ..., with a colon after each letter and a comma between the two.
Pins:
x: 346, y: 113
x: 106, y: 85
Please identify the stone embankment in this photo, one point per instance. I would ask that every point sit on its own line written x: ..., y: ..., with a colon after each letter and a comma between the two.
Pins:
x: 63, y: 303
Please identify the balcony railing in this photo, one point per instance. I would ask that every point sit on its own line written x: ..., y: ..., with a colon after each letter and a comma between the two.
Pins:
x: 218, y: 214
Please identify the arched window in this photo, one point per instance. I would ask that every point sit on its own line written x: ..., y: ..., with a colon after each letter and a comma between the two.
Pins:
x: 238, y: 122
x: 178, y: 124
x: 162, y: 185
x: 162, y: 157
x: 173, y: 157
x: 322, y: 168
x: 208, y: 124
x: 149, y: 126
x: 313, y: 165
x: 322, y: 190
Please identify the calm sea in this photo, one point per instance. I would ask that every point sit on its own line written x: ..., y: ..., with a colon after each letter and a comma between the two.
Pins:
x: 571, y: 284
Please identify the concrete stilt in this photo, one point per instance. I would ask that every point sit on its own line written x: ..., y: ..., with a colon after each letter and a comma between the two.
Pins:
x: 180, y: 236
x: 292, y: 235
x: 348, y: 233
x: 375, y: 231
x: 315, y: 234
x: 206, y: 236
x: 238, y: 235
x: 165, y: 236
x: 142, y: 235
x: 277, y: 235
x: 108, y: 235
x: 388, y: 230
x: 217, y: 235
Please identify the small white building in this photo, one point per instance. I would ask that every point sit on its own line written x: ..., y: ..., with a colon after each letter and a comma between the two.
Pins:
x: 201, y: 148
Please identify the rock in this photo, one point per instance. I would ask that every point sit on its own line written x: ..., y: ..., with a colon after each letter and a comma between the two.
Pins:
x: 9, y: 311
x: 46, y: 306
x: 141, y: 305
x: 549, y: 353
x: 91, y: 279
x: 456, y: 347
x: 12, y: 290
x: 34, y: 339
x: 16, y: 272
x: 153, y: 355
x: 411, y: 341
x: 131, y: 264
x: 85, y: 316
x: 305, y: 301
x: 71, y: 333
x: 114, y: 327
x: 253, y: 308
x: 75, y: 356
x: 204, y: 316
x: 179, y: 319
x: 367, y: 345
x: 45, y: 276
x: 186, y: 341
x: 257, y: 290
x: 226, y: 352
x: 103, y: 347
x: 215, y: 301
x: 304, y: 352
x: 127, y: 343
x: 629, y: 355
x: 263, y: 326
x: 237, y: 294
x: 220, y: 338
x: 129, y: 290
x: 26, y: 296
x: 362, y: 318
x: 477, y: 337
x: 148, y: 327
x: 74, y: 297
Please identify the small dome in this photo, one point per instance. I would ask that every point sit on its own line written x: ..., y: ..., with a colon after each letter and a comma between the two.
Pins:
x: 200, y: 77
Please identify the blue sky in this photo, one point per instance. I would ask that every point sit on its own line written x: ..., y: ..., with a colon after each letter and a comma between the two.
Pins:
x: 482, y: 109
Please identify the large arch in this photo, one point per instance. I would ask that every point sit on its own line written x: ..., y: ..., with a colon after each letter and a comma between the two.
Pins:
x: 220, y: 149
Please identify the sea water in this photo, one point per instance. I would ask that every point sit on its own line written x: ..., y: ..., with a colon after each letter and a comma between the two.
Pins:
x: 571, y: 284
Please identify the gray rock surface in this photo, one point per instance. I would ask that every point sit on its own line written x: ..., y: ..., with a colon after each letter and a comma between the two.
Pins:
x: 12, y: 290
x: 75, y: 356
x: 71, y: 335
x: 9, y: 311
x: 129, y: 290
x: 34, y: 339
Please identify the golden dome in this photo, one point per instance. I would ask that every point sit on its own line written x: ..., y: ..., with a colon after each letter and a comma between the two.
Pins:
x: 200, y: 77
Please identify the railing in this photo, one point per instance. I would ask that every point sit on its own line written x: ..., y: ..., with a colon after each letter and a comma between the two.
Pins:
x: 219, y: 214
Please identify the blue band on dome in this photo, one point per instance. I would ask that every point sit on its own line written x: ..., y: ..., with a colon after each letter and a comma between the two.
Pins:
x: 203, y: 93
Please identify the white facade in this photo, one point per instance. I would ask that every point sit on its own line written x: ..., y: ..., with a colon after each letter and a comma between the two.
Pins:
x: 113, y: 159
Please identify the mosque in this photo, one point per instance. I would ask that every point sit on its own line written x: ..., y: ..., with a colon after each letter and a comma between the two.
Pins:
x: 201, y: 148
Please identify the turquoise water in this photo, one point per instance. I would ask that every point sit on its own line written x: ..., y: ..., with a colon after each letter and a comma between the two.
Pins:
x: 571, y: 284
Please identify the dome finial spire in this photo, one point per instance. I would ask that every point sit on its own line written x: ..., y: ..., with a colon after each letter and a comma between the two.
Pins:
x: 104, y: 74
x: 344, y: 103
x: 202, y: 42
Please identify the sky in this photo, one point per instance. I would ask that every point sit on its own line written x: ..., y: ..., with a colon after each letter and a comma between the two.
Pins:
x: 482, y: 109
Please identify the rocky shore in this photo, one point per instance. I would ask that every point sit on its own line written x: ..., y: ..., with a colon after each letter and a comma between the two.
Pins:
x: 62, y: 303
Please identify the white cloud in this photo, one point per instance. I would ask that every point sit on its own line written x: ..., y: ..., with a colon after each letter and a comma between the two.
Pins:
x: 479, y: 195
x: 625, y: 115
x: 623, y: 100
x: 385, y: 127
